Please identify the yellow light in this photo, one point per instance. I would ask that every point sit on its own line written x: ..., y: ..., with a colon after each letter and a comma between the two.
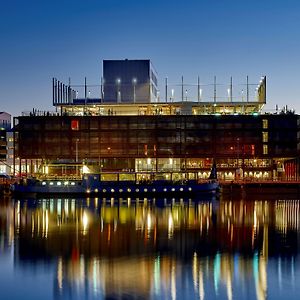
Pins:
x: 85, y: 221
x: 85, y: 170
x: 149, y: 221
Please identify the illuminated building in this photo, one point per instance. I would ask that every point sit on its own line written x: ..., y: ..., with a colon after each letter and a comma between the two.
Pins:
x: 5, y: 126
x: 182, y: 132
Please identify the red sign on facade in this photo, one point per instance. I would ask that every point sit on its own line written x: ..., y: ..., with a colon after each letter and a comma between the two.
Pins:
x: 75, y: 125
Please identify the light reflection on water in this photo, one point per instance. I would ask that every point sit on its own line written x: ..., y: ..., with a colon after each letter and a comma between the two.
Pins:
x: 149, y: 249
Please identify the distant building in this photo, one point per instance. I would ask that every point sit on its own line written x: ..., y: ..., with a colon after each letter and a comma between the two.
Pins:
x: 129, y: 81
x: 5, y: 126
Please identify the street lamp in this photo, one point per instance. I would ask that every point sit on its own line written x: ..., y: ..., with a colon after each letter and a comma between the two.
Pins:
x: 200, y: 94
x: 118, y: 82
x: 76, y: 154
x: 134, y: 81
x: 76, y: 150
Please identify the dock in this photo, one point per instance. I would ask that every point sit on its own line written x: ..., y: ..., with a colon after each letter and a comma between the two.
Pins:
x: 263, y: 186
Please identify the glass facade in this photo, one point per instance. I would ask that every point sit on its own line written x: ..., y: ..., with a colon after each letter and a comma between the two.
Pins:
x: 162, y: 143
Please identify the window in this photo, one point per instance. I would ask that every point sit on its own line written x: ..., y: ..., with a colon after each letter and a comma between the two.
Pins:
x: 265, y: 149
x: 75, y: 125
x: 265, y: 137
x: 265, y: 123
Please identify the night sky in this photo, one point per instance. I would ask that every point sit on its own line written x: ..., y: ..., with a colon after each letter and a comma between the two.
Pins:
x: 63, y: 38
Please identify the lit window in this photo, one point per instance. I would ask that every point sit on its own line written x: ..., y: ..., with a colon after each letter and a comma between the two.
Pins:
x: 265, y: 137
x: 265, y: 149
x: 265, y: 123
x: 75, y: 125
x: 58, y: 183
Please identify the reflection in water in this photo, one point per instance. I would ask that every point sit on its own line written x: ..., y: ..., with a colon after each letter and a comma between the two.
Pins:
x: 115, y: 248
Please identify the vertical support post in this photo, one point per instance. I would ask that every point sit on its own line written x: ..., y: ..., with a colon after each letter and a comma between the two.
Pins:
x: 215, y: 89
x: 182, y: 89
x: 64, y: 93
x: 61, y: 92
x: 247, y: 88
x: 231, y: 92
x: 166, y: 87
x: 53, y: 91
x: 85, y: 90
x: 198, y: 86
x: 31, y: 167
x: 20, y: 166
x: 56, y: 91
x: 265, y: 82
x: 69, y: 91
x: 26, y: 168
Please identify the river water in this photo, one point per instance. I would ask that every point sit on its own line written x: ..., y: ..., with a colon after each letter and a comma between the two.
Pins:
x: 150, y: 248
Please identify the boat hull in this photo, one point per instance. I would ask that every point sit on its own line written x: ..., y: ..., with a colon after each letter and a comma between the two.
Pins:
x: 94, y: 186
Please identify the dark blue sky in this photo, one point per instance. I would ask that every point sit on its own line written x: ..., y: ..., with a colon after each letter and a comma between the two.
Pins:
x: 62, y: 38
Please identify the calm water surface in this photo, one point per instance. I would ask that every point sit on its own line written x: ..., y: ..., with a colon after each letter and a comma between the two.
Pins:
x: 149, y: 249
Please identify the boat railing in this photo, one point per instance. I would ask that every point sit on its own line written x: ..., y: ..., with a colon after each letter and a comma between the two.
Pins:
x: 59, y: 177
